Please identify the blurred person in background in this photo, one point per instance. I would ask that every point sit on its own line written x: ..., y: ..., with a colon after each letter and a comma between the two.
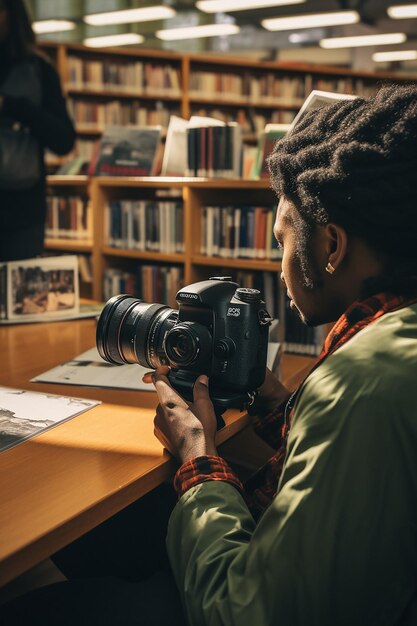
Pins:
x: 33, y: 116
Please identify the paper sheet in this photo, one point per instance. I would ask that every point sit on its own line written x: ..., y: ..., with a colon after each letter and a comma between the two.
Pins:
x: 24, y: 414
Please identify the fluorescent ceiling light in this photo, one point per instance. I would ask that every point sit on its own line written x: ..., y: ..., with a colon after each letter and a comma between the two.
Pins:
x: 395, y: 55
x: 363, y: 40
x: 402, y: 11
x: 130, y: 16
x: 223, y: 6
x: 314, y: 20
x: 192, y: 32
x: 52, y: 26
x: 113, y: 40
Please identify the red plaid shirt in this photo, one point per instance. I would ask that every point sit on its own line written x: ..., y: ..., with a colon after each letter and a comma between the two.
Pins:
x: 260, y: 490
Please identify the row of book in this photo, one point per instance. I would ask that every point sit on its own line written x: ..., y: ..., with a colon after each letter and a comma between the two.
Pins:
x: 270, y: 87
x: 145, y: 225
x: 198, y: 147
x: 250, y: 120
x: 239, y: 232
x: 150, y: 283
x: 247, y: 87
x: 98, y: 115
x: 214, y: 151
x: 68, y: 217
x: 124, y: 76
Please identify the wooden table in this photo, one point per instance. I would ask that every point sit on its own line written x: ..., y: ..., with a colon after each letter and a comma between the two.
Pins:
x: 60, y: 484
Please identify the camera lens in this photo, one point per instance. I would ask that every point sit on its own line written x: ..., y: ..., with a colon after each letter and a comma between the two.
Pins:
x: 131, y: 331
x: 185, y: 341
x: 182, y: 348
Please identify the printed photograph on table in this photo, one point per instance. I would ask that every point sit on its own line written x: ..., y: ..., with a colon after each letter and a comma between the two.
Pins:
x: 24, y: 414
x: 46, y: 287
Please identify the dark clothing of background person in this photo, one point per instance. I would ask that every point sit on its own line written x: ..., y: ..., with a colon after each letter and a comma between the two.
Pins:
x: 23, y: 212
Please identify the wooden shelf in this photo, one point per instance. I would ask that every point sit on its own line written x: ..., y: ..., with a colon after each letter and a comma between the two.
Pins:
x: 89, y: 130
x: 244, y: 264
x: 219, y: 100
x: 143, y: 254
x: 67, y: 181
x: 119, y: 94
x: 174, y: 182
x: 68, y: 245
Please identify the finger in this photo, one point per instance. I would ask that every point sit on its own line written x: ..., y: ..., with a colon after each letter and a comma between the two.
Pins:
x: 200, y: 389
x: 147, y: 377
x: 162, y: 370
x: 168, y: 397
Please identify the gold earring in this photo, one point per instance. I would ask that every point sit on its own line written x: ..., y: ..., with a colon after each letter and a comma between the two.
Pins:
x: 329, y: 268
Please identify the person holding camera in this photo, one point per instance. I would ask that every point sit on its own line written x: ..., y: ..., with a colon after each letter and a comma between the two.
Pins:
x: 33, y: 116
x: 333, y: 537
x: 324, y: 533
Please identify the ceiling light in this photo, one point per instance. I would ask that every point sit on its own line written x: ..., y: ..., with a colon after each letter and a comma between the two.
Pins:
x: 191, y: 32
x: 363, y: 40
x: 52, y: 26
x: 223, y: 6
x: 130, y: 16
x: 395, y: 55
x: 402, y: 11
x: 113, y: 40
x: 313, y: 20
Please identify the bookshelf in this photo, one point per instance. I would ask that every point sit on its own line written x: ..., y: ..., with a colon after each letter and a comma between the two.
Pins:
x: 64, y: 190
x: 125, y: 86
x: 194, y: 194
x: 139, y: 86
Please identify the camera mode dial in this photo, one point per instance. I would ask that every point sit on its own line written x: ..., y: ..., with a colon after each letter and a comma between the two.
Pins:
x: 245, y: 294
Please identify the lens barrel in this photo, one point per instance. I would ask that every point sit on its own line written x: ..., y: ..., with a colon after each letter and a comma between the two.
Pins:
x: 132, y: 331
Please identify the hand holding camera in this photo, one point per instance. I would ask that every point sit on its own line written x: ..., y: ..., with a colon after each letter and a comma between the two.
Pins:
x: 186, y: 430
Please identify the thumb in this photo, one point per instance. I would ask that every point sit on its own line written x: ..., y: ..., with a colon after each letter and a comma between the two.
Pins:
x: 201, y: 390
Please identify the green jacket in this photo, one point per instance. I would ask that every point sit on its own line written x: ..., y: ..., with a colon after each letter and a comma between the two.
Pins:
x: 338, y: 545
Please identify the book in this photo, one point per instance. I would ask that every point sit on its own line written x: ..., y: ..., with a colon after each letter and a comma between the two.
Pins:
x: 266, y: 142
x: 214, y: 148
x: 24, y: 414
x: 41, y: 289
x: 315, y: 100
x: 174, y: 162
x: 128, y: 151
x: 74, y: 167
x: 88, y: 369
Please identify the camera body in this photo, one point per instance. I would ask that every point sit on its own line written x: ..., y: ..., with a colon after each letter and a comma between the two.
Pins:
x: 220, y: 330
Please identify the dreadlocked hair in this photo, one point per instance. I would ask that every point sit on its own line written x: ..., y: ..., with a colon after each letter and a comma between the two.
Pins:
x: 355, y: 163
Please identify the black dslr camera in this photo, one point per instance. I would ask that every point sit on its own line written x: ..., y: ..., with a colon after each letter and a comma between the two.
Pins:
x: 220, y: 329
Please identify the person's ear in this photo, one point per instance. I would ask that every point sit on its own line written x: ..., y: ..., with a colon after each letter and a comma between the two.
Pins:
x: 336, y: 246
